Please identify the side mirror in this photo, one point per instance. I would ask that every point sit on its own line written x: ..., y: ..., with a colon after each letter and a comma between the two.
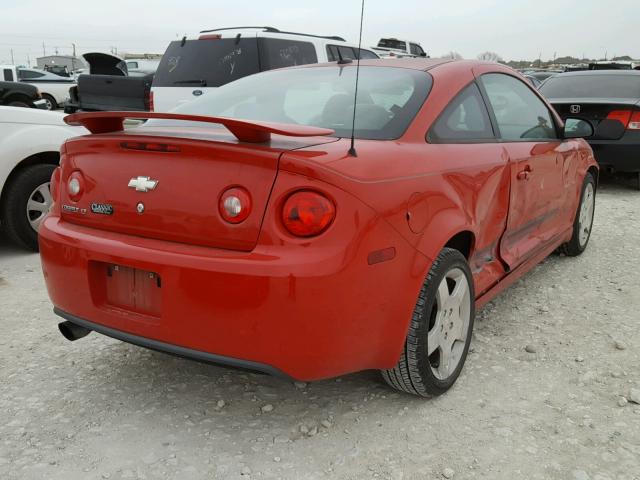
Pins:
x: 609, y: 129
x: 577, y: 128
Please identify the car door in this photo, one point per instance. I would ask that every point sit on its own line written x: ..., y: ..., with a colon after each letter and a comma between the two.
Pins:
x: 527, y: 129
x: 464, y: 127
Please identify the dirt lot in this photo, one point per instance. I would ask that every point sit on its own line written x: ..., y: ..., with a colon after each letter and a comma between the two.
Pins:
x: 98, y: 408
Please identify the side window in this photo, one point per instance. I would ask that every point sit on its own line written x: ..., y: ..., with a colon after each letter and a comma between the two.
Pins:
x: 348, y: 52
x: 29, y: 74
x: 465, y: 119
x: 367, y: 55
x: 332, y: 53
x: 8, y: 75
x: 415, y: 49
x: 519, y: 113
x: 277, y: 53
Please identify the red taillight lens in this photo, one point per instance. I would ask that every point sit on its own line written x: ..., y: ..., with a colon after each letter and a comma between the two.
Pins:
x: 211, y: 36
x: 152, y: 147
x: 235, y: 205
x: 75, y: 186
x: 150, y: 101
x: 55, y: 184
x: 306, y: 213
x: 634, y: 122
x: 623, y: 116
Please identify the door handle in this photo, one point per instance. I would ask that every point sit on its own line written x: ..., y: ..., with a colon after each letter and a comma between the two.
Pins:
x: 524, y: 174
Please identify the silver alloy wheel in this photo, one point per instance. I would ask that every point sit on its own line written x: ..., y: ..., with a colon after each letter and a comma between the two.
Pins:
x: 38, y: 205
x: 449, y: 324
x: 585, y: 218
x: 48, y: 103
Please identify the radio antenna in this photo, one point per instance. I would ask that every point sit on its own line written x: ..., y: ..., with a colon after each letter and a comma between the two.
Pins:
x: 352, y: 150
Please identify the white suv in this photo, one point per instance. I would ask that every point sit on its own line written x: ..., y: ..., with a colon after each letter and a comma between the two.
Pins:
x: 191, y: 67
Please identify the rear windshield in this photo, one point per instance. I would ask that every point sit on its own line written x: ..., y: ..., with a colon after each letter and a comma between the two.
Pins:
x: 392, y: 43
x: 388, y: 99
x: 592, y: 86
x: 207, y: 63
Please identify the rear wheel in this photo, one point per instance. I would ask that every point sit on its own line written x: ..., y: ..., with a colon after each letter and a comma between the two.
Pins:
x: 440, y: 332
x: 583, y: 222
x: 19, y: 103
x: 27, y: 200
x: 50, y: 101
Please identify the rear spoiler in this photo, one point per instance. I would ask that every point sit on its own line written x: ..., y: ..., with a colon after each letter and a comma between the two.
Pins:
x: 244, y: 130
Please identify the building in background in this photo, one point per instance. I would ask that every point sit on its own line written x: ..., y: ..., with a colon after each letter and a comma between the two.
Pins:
x: 59, y: 62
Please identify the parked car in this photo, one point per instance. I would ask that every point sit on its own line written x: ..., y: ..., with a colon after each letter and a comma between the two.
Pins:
x: 393, y: 47
x: 197, y: 66
x: 542, y: 75
x: 30, y: 142
x: 142, y: 66
x: 16, y: 94
x: 54, y: 88
x: 535, y: 83
x: 279, y: 245
x: 598, y: 96
x: 614, y: 65
x: 108, y: 86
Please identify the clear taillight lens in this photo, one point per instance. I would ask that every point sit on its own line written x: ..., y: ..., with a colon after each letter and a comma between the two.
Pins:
x: 235, y: 205
x: 75, y: 186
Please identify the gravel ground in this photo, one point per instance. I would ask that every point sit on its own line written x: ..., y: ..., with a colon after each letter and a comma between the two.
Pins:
x: 546, y: 392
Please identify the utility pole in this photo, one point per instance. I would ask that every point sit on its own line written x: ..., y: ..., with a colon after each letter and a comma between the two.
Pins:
x: 44, y: 50
x: 12, y: 60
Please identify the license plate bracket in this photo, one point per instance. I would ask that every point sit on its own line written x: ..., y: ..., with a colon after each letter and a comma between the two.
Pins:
x: 132, y: 289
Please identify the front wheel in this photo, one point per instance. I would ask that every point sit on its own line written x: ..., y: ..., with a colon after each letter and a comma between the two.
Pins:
x: 440, y: 332
x: 583, y: 222
x: 26, y: 202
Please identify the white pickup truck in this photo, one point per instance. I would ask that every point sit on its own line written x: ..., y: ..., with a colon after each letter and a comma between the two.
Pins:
x: 54, y: 88
x: 393, y: 47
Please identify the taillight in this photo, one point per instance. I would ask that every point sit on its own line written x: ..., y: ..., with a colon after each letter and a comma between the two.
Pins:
x: 235, y: 205
x: 634, y: 122
x: 75, y: 186
x: 151, y: 147
x: 55, y: 184
x: 623, y: 116
x: 307, y: 213
x: 211, y: 36
x: 150, y: 100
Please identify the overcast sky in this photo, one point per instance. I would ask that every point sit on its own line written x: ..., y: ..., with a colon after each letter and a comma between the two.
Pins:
x: 515, y: 29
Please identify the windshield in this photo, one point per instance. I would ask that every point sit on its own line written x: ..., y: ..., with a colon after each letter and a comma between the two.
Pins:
x: 388, y: 99
x: 592, y: 86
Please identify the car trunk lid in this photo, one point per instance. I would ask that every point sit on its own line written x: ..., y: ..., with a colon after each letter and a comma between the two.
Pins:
x: 165, y: 182
x: 594, y: 110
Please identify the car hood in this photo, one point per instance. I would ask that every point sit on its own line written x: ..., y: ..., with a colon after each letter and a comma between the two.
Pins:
x: 31, y: 116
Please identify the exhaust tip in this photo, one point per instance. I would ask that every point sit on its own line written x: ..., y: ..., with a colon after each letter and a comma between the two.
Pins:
x: 72, y: 331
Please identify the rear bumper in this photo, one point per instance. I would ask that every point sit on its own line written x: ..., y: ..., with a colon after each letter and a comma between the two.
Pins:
x: 170, y: 349
x: 282, y: 310
x: 621, y: 156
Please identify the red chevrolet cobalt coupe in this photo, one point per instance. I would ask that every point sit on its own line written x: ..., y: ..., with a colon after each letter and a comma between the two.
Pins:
x: 241, y: 229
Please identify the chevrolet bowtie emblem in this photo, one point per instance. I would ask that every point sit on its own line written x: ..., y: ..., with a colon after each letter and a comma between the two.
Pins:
x: 143, y: 184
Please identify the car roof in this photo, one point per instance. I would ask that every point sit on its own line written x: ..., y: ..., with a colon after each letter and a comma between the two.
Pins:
x: 272, y: 30
x: 583, y: 73
x: 411, y: 63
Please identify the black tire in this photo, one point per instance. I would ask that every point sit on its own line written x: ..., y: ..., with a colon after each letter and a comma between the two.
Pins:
x: 13, y: 211
x: 19, y: 103
x: 575, y: 246
x: 414, y: 372
x: 51, y: 102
